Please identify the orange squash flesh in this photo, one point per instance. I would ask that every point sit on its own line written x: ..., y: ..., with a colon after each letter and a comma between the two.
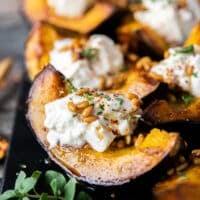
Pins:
x: 184, y: 186
x: 112, y: 167
x: 40, y: 11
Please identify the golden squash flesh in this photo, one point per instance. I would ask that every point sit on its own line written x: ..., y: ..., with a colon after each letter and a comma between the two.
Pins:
x: 185, y: 185
x: 112, y: 167
x: 40, y: 11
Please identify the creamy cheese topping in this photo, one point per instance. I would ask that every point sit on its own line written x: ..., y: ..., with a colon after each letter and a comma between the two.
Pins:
x: 105, y: 60
x: 167, y: 19
x: 182, y: 69
x: 114, y: 115
x: 70, y: 8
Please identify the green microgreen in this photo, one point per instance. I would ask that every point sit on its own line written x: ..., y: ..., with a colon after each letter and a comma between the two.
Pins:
x: 88, y: 97
x: 89, y: 53
x: 187, y: 99
x: 60, y: 188
x: 69, y: 86
x: 185, y: 50
x: 195, y: 74
x: 120, y: 101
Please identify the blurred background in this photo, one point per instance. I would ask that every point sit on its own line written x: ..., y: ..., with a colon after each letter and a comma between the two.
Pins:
x: 13, y: 32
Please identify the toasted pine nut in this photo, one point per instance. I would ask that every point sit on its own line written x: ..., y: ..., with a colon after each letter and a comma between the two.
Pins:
x: 65, y: 48
x: 82, y: 91
x: 109, y: 83
x: 89, y: 119
x: 133, y: 57
x: 135, y: 102
x: 170, y: 172
x: 189, y: 70
x: 82, y: 104
x: 128, y: 139
x: 72, y: 107
x: 139, y: 140
x: 181, y: 167
x: 132, y: 96
x: 87, y: 111
x: 120, y: 144
x: 144, y: 63
x: 155, y: 76
x: 102, y: 82
x: 166, y: 54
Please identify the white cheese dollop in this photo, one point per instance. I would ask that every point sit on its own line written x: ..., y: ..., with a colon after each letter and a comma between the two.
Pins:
x: 70, y: 8
x: 115, y: 116
x: 167, y: 19
x: 181, y: 69
x: 84, y: 72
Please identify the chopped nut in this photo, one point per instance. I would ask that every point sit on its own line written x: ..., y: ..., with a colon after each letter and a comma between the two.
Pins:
x: 89, y: 119
x: 82, y: 91
x: 166, y: 54
x: 155, y: 76
x: 144, y: 63
x: 189, y: 70
x: 87, y: 111
x: 102, y: 82
x: 82, y: 105
x: 128, y: 139
x: 132, y: 57
x: 72, y: 107
x: 139, y: 140
x: 132, y: 96
x: 120, y: 144
x: 181, y: 167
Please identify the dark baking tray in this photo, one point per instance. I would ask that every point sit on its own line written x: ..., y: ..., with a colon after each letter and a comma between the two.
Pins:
x: 26, y: 154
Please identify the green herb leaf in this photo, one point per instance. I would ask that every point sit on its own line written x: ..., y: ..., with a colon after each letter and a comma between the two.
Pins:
x: 8, y: 195
x: 195, y: 74
x: 83, y: 196
x: 70, y: 189
x: 56, y: 180
x: 107, y: 97
x: 54, y: 187
x: 186, y: 50
x: 120, y: 100
x: 101, y: 106
x: 69, y: 86
x: 88, y: 97
x: 89, y: 53
x: 187, y: 99
x: 29, y: 183
x: 20, y: 179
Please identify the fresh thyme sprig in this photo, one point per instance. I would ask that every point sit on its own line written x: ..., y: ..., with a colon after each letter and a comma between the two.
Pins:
x: 61, y: 189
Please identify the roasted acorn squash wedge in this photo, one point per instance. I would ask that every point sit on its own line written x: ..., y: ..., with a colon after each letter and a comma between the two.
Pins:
x: 40, y: 43
x: 184, y: 185
x: 112, y: 167
x: 161, y: 111
x: 40, y: 11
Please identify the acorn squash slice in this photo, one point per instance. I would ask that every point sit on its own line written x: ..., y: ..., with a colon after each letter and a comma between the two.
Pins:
x: 112, y: 167
x: 162, y: 111
x: 40, y: 11
x: 40, y: 42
